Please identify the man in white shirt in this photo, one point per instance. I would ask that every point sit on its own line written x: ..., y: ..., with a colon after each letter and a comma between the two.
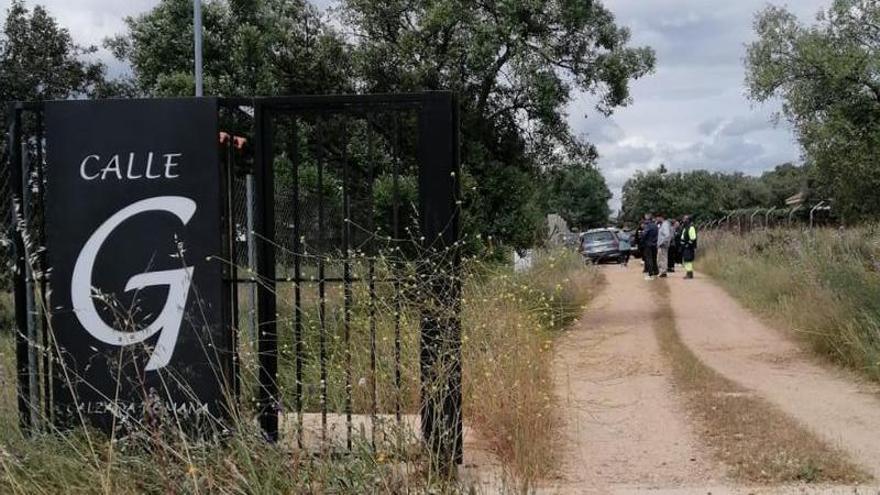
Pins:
x: 664, y: 239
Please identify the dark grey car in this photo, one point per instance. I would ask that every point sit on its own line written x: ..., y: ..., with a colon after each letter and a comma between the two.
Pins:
x: 600, y: 245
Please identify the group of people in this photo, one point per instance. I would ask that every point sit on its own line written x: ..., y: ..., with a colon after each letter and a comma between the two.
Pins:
x: 665, y: 243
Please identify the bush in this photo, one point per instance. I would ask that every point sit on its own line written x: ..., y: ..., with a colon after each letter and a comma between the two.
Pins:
x: 510, y: 321
x: 823, y: 284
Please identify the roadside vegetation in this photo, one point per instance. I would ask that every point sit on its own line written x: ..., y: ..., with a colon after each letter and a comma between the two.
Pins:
x: 509, y: 322
x: 823, y: 284
x: 754, y: 440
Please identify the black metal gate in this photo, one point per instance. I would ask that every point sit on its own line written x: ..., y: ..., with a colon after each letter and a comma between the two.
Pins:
x: 341, y: 262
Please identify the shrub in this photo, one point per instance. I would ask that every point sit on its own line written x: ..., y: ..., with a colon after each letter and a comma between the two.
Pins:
x: 510, y: 320
x: 824, y: 285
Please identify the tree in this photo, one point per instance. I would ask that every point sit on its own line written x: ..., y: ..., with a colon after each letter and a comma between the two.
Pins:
x: 40, y: 61
x: 514, y: 66
x: 704, y: 194
x: 785, y: 181
x: 827, y: 77
x: 250, y: 47
x: 578, y: 193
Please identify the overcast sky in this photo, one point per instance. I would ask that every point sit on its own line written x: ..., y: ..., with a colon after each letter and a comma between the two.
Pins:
x: 691, y: 113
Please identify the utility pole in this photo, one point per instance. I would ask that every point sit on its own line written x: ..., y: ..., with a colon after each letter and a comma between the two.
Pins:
x: 197, y: 37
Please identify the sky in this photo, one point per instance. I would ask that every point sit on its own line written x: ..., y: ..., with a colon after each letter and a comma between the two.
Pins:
x: 692, y: 113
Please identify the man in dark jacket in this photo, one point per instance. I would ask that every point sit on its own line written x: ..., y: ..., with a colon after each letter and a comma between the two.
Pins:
x: 649, y: 247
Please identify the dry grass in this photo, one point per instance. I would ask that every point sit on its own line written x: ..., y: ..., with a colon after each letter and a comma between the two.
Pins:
x: 757, y: 442
x: 824, y: 285
x: 510, y: 322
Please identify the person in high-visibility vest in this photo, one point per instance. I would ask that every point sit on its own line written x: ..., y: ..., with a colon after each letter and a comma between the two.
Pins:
x: 688, y: 245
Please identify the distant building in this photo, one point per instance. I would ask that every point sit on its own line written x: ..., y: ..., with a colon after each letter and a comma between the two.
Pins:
x: 796, y: 200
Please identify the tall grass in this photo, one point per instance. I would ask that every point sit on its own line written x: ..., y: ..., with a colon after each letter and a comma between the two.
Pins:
x: 509, y: 321
x: 824, y: 285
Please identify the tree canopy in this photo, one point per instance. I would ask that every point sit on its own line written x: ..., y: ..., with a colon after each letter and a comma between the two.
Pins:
x: 513, y: 64
x: 710, y: 195
x: 40, y: 61
x: 250, y: 47
x: 827, y: 77
x: 579, y: 194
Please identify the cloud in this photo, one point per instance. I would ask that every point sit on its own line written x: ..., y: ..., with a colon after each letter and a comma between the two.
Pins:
x: 601, y: 130
x: 708, y: 127
x: 745, y: 124
x: 692, y: 113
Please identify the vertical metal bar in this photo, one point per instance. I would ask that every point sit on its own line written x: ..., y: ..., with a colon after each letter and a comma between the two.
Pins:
x: 18, y: 276
x: 396, y: 265
x: 232, y: 256
x: 441, y: 331
x: 43, y: 275
x: 251, y: 256
x: 297, y: 277
x: 197, y: 42
x: 371, y: 262
x: 322, y: 294
x: 266, y: 315
x: 346, y: 277
x: 30, y: 300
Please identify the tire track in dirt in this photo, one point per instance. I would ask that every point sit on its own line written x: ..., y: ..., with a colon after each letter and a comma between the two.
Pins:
x: 625, y: 430
x: 839, y: 407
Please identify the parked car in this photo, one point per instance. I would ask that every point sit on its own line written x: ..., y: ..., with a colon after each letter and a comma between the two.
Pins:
x: 598, y: 245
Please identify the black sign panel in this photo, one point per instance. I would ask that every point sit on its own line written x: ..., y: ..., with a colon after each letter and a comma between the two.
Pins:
x: 133, y: 221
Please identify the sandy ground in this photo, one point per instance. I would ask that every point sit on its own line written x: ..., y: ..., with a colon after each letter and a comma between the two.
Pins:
x: 839, y: 407
x: 625, y: 429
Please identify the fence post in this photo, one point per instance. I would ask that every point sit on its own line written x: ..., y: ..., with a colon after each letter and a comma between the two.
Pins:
x: 30, y: 300
x: 767, y: 218
x: 817, y: 206
x: 267, y: 337
x: 752, y: 219
x: 251, y: 258
x: 441, y: 330
x: 791, y: 214
x: 18, y: 279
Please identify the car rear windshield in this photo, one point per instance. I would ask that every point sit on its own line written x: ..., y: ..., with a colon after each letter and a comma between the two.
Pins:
x: 595, y: 237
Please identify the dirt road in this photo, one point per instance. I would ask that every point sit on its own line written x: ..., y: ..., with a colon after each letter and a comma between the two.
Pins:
x: 624, y: 427
x: 838, y: 406
x: 627, y: 430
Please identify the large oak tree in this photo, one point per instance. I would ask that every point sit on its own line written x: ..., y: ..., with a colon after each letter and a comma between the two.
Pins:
x: 828, y: 77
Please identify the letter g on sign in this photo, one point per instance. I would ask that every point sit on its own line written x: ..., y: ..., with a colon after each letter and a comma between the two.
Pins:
x: 178, y: 281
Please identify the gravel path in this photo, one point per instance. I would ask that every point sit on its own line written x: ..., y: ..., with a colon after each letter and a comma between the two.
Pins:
x: 841, y: 408
x: 625, y: 430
